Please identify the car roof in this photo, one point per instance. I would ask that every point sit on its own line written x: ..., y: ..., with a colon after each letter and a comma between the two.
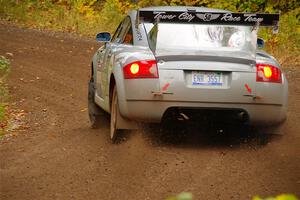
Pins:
x: 181, y: 9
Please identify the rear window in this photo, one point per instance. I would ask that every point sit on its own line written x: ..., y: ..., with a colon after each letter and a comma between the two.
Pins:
x: 199, y: 37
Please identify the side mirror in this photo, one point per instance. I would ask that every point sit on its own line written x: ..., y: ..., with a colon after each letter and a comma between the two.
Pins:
x: 103, y: 37
x: 260, y: 43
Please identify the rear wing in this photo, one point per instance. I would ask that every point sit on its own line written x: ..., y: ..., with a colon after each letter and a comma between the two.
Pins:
x: 222, y: 18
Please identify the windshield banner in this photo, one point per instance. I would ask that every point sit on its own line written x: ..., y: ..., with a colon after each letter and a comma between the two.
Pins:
x: 248, y: 19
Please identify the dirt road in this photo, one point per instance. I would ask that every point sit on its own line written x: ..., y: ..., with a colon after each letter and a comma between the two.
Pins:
x: 60, y: 157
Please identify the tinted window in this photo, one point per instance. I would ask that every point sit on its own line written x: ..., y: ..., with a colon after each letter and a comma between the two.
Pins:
x: 128, y: 37
x: 125, y: 35
x: 198, y: 37
x: 124, y: 32
x: 117, y: 33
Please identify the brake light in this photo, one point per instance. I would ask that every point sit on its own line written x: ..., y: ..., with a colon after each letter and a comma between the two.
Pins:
x: 268, y: 73
x: 134, y: 68
x: 141, y: 69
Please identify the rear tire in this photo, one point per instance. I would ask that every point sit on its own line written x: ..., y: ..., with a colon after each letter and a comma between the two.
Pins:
x: 114, y: 131
x: 96, y: 114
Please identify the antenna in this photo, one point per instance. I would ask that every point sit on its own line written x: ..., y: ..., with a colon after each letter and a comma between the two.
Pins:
x: 137, y: 19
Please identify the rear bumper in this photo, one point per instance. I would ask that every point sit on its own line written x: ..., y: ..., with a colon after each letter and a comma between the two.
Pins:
x: 153, y: 111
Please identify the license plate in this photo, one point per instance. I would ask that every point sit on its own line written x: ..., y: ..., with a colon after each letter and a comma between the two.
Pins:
x: 207, y: 78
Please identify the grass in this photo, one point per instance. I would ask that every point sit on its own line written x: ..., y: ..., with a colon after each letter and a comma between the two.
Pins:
x: 11, y: 119
x: 4, y: 70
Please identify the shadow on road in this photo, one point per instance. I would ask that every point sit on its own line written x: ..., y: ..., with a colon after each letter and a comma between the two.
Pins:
x: 194, y: 135
x: 191, y: 134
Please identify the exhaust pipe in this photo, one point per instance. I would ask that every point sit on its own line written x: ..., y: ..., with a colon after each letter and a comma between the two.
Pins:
x: 243, y: 116
x: 182, y: 117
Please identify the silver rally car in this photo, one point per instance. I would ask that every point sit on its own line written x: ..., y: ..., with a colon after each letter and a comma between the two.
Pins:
x: 188, y: 62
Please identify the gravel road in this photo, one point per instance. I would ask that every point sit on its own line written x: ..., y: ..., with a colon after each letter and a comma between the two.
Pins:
x: 60, y: 157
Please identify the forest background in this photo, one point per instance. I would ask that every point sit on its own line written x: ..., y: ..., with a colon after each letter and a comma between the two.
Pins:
x: 88, y: 17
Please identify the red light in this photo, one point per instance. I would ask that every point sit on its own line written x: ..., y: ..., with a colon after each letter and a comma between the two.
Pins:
x: 268, y: 73
x: 134, y: 68
x: 141, y: 69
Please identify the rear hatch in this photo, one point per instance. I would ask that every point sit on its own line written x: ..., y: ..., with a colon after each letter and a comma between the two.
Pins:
x: 205, y: 56
x: 206, y: 78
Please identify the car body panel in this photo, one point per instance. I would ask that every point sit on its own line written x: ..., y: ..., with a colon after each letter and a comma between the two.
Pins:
x: 152, y: 111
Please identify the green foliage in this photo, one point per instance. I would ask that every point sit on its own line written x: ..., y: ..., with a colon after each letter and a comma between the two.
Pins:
x: 88, y: 16
x: 233, y: 5
x: 62, y: 15
x: 287, y: 39
x: 182, y: 196
x: 2, y: 112
x: 4, y: 65
x: 4, y: 69
x: 189, y: 196
x: 112, y: 13
x: 91, y: 16
x: 279, y: 197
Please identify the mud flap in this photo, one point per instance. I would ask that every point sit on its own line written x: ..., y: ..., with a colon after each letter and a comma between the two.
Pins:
x: 123, y: 123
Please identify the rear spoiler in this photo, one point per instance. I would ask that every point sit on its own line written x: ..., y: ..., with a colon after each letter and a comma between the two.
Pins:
x: 222, y: 18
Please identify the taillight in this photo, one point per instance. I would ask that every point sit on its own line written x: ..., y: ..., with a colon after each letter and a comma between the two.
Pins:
x: 268, y: 73
x: 141, y: 69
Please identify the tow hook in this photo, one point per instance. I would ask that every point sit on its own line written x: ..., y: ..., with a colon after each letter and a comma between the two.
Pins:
x: 249, y: 90
x: 254, y: 97
x: 160, y: 93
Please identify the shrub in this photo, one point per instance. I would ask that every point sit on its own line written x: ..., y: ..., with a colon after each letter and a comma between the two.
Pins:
x: 287, y: 39
x: 4, y: 69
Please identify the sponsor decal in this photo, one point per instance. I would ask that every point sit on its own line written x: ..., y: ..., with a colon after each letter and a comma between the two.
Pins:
x: 252, y: 18
x: 161, y: 15
x: 165, y: 87
x: 248, y: 88
x: 227, y: 17
x: 208, y: 16
x: 138, y: 34
x: 186, y: 16
x: 247, y: 19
